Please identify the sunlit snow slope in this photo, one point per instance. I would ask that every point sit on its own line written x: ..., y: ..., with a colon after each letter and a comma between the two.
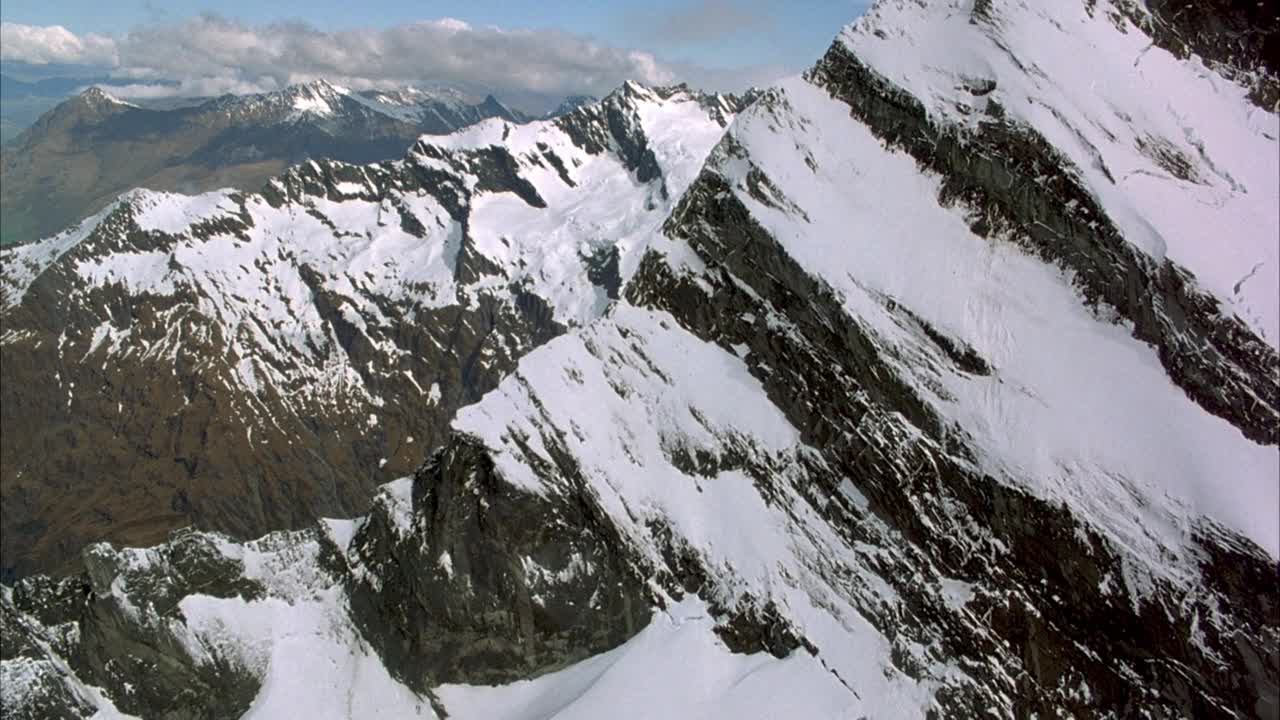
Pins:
x: 913, y: 398
x: 287, y: 351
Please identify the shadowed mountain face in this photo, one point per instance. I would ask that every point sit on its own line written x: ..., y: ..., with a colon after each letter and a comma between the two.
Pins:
x: 87, y: 150
x: 941, y: 381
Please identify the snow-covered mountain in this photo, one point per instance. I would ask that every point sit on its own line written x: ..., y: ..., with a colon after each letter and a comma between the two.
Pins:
x: 83, y: 153
x: 441, y: 111
x: 252, y: 361
x: 438, y: 111
x: 941, y: 381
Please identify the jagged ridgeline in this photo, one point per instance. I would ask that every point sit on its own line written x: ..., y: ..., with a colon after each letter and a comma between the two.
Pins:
x: 941, y: 381
x: 78, y: 157
x: 249, y: 362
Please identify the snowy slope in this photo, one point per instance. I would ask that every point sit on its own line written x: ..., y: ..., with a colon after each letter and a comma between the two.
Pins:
x: 1179, y: 157
x: 351, y: 236
x: 298, y: 640
x: 437, y: 109
x: 1075, y: 407
x: 825, y: 430
x: 320, y: 101
x: 354, y: 307
x: 676, y: 440
x: 638, y: 680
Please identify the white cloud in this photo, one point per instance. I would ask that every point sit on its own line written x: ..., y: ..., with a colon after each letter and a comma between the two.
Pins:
x: 54, y: 44
x: 211, y: 55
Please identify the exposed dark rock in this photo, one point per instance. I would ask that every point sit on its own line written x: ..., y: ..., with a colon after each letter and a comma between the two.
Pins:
x: 45, y: 694
x: 486, y: 583
x: 614, y: 123
x: 122, y: 613
x: 602, y: 270
x: 1049, y: 613
x: 1212, y: 355
x: 320, y: 461
x: 1239, y: 38
x: 462, y: 575
x: 762, y: 630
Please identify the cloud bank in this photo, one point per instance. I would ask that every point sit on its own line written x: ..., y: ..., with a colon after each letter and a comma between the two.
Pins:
x: 211, y: 55
x: 54, y: 44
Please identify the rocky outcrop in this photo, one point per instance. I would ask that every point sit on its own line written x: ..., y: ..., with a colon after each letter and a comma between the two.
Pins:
x: 479, y: 582
x: 33, y: 679
x: 118, y: 627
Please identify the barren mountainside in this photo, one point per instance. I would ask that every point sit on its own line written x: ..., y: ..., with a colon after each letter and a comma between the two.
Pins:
x: 939, y: 381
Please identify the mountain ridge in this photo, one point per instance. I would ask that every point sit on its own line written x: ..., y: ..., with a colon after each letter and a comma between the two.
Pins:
x: 849, y: 419
x: 77, y: 157
x: 416, y: 276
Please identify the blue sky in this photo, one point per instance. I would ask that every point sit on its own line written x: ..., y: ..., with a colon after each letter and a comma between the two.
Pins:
x: 764, y: 32
x: 526, y: 52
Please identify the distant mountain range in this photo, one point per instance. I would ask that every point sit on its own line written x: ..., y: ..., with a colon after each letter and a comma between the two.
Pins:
x: 80, y: 155
x: 56, y: 88
x: 23, y: 101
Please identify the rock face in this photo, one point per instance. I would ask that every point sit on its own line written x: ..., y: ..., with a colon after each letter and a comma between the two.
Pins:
x: 87, y: 150
x: 490, y: 584
x: 246, y: 362
x: 924, y: 399
x: 127, y: 629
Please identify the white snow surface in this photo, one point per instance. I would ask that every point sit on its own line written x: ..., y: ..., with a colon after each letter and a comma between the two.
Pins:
x: 606, y: 206
x: 173, y: 213
x: 413, y: 104
x: 318, y: 98
x: 1075, y: 410
x: 300, y: 641
x: 312, y: 662
x: 252, y: 287
x: 1076, y: 407
x: 640, y: 680
x: 22, y: 264
x: 1057, y: 67
x: 632, y: 393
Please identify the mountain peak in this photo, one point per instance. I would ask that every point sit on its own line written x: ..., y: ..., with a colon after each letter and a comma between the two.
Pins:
x: 95, y: 95
x: 571, y: 103
x: 493, y: 107
x: 907, y: 387
x: 633, y: 88
x: 318, y: 97
x: 320, y: 86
